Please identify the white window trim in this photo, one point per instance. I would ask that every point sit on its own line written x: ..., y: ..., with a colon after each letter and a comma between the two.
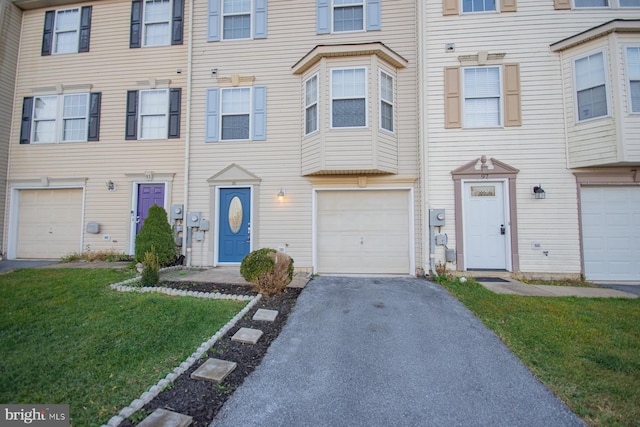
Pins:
x: 496, y: 10
x: 500, y: 125
x: 223, y: 15
x: 576, y: 112
x: 222, y: 114
x: 628, y: 79
x: 55, y: 33
x: 355, y: 3
x: 166, y: 114
x: 392, y: 103
x: 316, y: 103
x: 366, y: 98
x: 145, y: 23
x: 59, y: 119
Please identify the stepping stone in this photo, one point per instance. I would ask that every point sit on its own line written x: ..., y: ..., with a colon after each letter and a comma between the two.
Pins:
x: 247, y: 335
x: 265, y: 315
x: 163, y: 418
x: 214, y: 370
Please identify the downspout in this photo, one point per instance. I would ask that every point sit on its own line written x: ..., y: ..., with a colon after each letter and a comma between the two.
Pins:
x: 186, y: 251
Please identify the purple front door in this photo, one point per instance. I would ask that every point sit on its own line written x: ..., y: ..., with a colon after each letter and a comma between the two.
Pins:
x: 148, y: 195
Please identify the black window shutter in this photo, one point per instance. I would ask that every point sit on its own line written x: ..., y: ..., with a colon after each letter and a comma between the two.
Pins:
x: 135, y: 38
x: 25, y: 126
x: 95, y: 99
x: 131, y: 131
x: 178, y: 20
x: 174, y: 112
x: 47, y: 34
x: 85, y: 29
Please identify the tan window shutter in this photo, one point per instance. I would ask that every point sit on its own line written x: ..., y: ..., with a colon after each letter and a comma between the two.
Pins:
x: 562, y: 4
x: 512, y: 101
x: 508, y: 5
x: 450, y: 7
x: 452, y: 107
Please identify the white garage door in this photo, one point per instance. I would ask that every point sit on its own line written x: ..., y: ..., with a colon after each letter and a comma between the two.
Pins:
x: 363, y: 232
x: 611, y: 232
x: 49, y: 223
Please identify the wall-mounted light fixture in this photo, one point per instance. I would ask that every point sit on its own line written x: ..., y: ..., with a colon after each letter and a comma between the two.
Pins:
x: 538, y: 191
x: 281, y: 194
x: 111, y: 186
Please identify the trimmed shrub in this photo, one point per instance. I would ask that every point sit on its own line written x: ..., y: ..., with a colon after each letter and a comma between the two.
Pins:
x: 268, y: 270
x: 156, y: 233
x: 150, y: 269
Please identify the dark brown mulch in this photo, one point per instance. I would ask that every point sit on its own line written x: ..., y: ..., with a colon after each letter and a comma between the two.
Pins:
x: 202, y: 399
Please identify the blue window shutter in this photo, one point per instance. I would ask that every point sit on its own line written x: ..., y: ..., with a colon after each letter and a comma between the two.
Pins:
x: 47, y: 34
x: 175, y: 96
x: 177, y: 29
x: 211, y: 133
x: 260, y: 19
x: 135, y: 37
x: 131, y: 131
x: 25, y: 126
x: 95, y: 99
x: 373, y: 15
x: 85, y: 29
x: 323, y: 16
x: 214, y: 21
x: 259, y: 113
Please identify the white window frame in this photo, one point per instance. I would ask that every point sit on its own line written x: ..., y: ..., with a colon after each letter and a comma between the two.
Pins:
x: 249, y: 112
x: 308, y: 105
x: 224, y: 15
x: 167, y: 40
x: 366, y: 98
x: 391, y: 102
x: 353, y: 3
x: 59, y: 119
x: 56, y: 32
x: 500, y: 97
x: 496, y: 10
x: 165, y: 114
x: 575, y: 5
x: 630, y: 78
x: 576, y: 89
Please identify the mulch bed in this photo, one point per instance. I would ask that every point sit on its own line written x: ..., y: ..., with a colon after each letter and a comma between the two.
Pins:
x: 202, y: 399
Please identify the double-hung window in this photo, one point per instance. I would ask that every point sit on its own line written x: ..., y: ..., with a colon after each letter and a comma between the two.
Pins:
x: 156, y: 23
x: 482, y: 97
x: 157, y: 18
x: 235, y: 113
x: 591, y: 3
x: 348, y: 97
x: 66, y: 31
x: 591, y: 91
x: 311, y: 105
x: 629, y: 3
x: 154, y: 105
x: 478, y: 6
x: 236, y: 19
x: 386, y: 101
x: 348, y: 15
x: 633, y: 69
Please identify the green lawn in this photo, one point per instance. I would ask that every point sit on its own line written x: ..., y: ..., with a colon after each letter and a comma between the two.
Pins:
x: 587, y: 350
x: 66, y: 337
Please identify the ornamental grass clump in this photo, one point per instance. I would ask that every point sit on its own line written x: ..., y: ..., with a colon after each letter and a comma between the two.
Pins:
x: 150, y: 269
x: 268, y: 270
x: 156, y: 233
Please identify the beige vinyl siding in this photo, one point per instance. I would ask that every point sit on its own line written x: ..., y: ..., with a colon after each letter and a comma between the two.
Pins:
x: 537, y: 148
x: 630, y: 122
x: 111, y: 68
x: 278, y: 161
x: 10, y: 21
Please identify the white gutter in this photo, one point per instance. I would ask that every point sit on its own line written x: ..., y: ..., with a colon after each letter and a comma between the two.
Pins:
x: 187, y: 138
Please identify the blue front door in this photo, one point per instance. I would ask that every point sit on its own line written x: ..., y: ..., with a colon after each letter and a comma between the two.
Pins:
x: 234, y: 236
x: 148, y: 195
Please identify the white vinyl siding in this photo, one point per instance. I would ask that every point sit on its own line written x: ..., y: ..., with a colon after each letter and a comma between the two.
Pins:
x: 236, y: 19
x: 386, y: 101
x: 60, y: 118
x: 66, y: 31
x: 349, y: 98
x: 157, y: 22
x: 591, y: 88
x: 633, y: 70
x: 482, y: 97
x: 478, y: 6
x: 235, y: 117
x: 154, y: 105
x: 348, y: 15
x: 311, y: 105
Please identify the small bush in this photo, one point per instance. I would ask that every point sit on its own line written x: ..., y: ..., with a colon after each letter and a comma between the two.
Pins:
x: 269, y: 271
x: 150, y: 269
x: 156, y: 233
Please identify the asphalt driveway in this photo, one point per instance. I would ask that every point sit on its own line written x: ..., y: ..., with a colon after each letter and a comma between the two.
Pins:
x: 389, y: 352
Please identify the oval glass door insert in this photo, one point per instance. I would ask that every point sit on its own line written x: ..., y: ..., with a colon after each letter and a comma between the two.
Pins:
x: 235, y: 214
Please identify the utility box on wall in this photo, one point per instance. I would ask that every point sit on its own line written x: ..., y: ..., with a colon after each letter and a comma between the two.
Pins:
x: 93, y: 227
x: 436, y: 217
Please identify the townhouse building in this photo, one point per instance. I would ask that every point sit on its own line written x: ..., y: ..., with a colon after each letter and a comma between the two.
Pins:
x: 531, y: 134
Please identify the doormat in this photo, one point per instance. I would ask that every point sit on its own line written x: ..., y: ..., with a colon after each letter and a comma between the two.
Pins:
x: 490, y: 279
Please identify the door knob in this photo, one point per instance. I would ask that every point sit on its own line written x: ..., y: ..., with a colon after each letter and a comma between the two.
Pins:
x: 502, y: 229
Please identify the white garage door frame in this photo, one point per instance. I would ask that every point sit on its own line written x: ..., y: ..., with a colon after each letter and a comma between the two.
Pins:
x: 411, y: 213
x: 42, y: 184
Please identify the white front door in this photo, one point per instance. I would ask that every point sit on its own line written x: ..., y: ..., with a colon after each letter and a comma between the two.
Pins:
x: 485, y: 226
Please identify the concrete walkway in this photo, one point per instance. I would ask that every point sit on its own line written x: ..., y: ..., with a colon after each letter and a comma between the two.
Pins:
x: 389, y: 352
x: 514, y: 287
